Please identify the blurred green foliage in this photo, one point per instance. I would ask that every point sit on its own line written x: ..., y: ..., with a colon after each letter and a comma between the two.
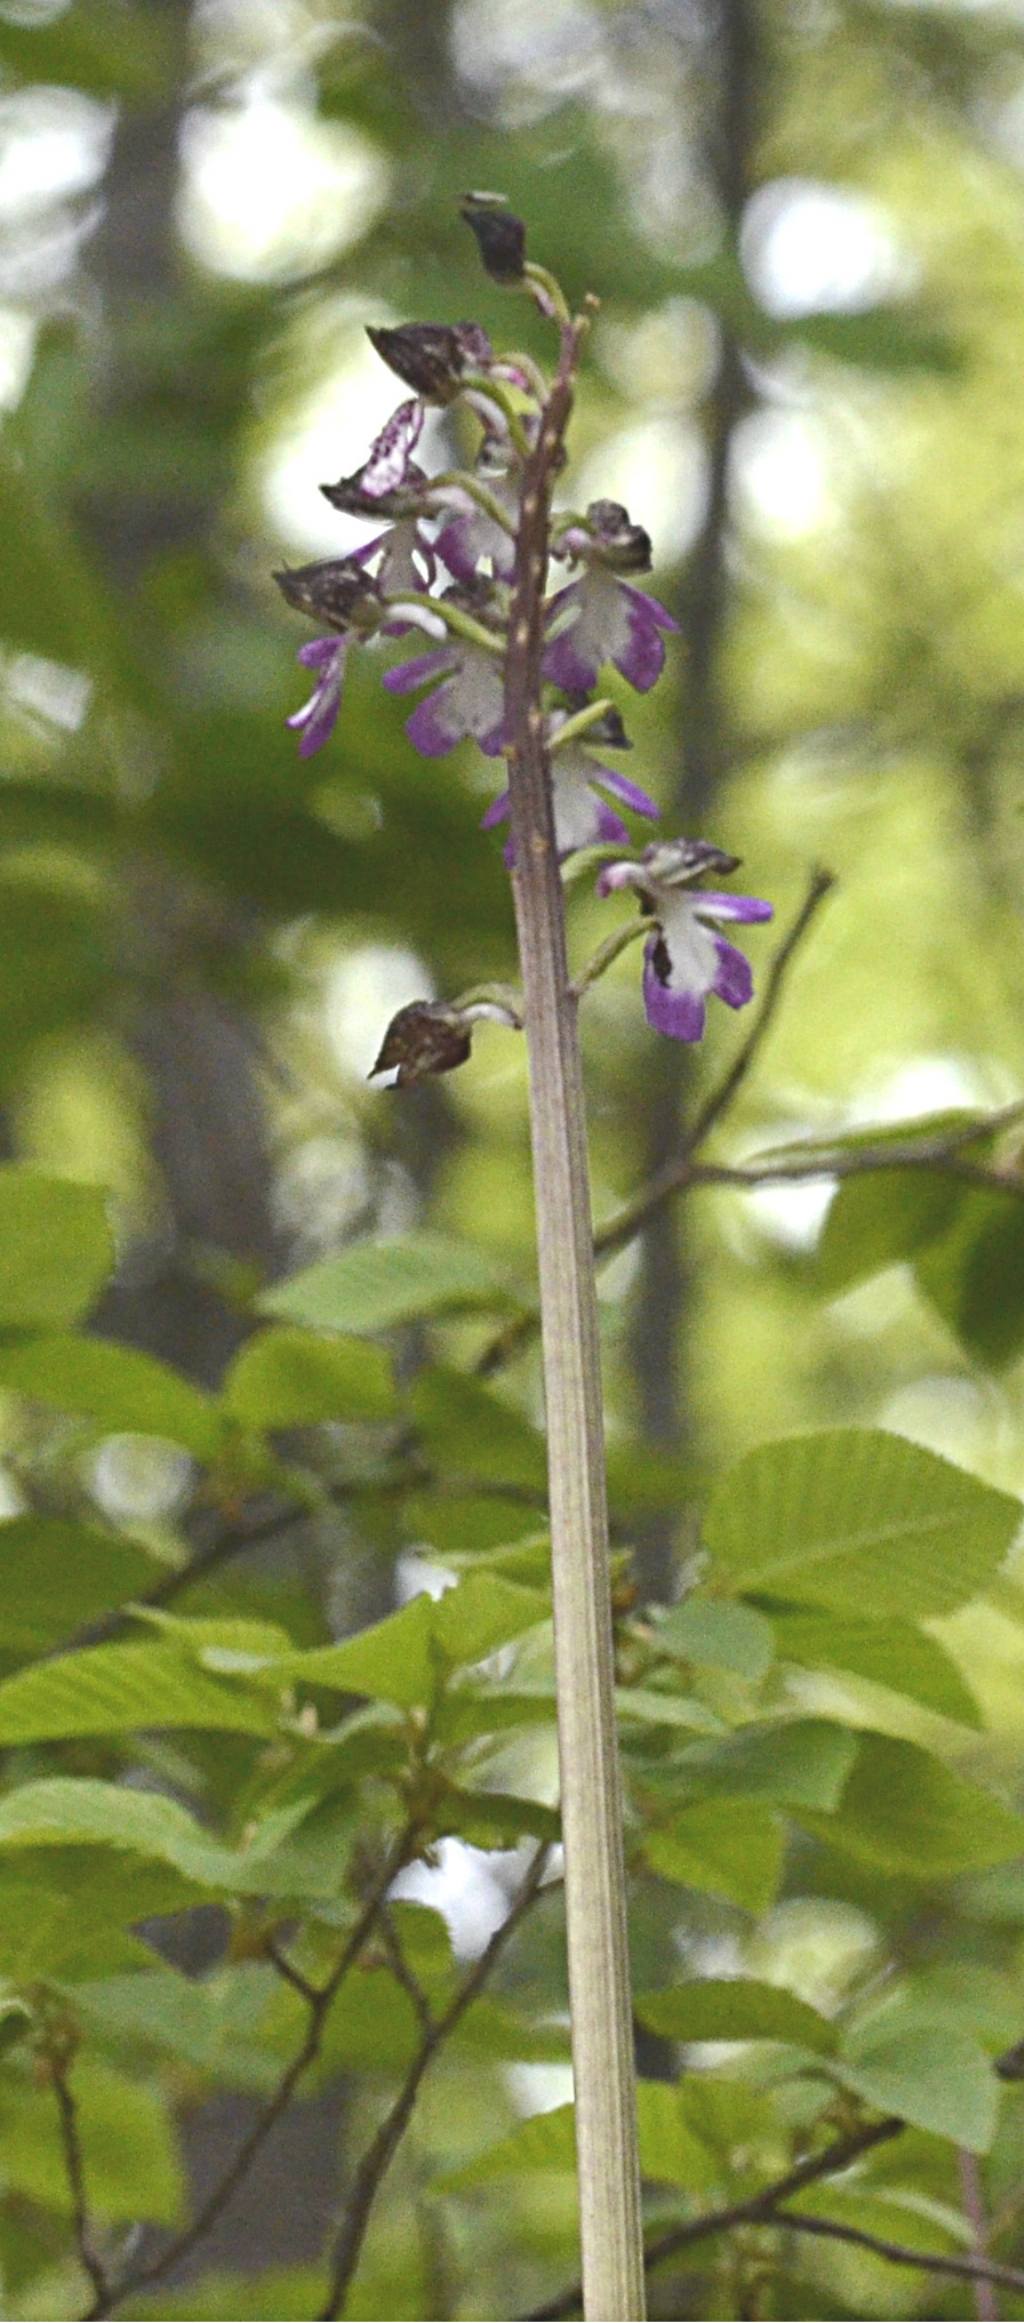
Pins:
x: 267, y: 1340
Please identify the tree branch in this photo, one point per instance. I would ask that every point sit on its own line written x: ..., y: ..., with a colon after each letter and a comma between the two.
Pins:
x: 58, y: 2062
x: 983, y: 2271
x: 435, y: 2031
x: 753, y: 2210
x: 319, y: 2000
x: 719, y: 1100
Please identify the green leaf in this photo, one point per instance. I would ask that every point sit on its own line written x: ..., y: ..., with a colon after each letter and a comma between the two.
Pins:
x: 724, y: 1847
x: 938, y: 2080
x: 56, y: 1575
x: 406, y: 1657
x: 801, y: 1762
x: 718, y: 1635
x: 121, y: 1388
x: 494, y: 1818
x: 973, y: 1272
x: 669, y: 2150
x: 904, y: 1812
x: 468, y: 1430
x: 208, y: 2022
x: 878, y: 1221
x: 62, y: 1812
x: 855, y: 1517
x: 736, y: 2008
x: 374, y: 1285
x: 294, y: 1378
x: 71, y: 1916
x: 129, y: 2156
x: 116, y: 1689
x: 889, y: 1653
x: 56, y: 1251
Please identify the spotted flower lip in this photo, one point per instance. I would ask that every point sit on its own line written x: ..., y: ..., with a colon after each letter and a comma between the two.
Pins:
x: 685, y: 956
x: 609, y: 536
x: 582, y: 817
x: 389, y: 483
x: 600, y: 618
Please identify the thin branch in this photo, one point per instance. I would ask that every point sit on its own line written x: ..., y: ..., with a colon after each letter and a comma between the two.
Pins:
x: 719, y: 1100
x: 391, y: 1943
x: 74, y: 2165
x: 381, y: 2149
x: 319, y: 2001
x: 983, y: 2271
x: 972, y: 2192
x: 226, y: 1544
x: 753, y: 2210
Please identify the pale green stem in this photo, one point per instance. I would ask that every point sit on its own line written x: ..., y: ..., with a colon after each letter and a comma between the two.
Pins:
x: 478, y: 492
x: 608, y: 952
x: 579, y: 723
x: 461, y: 624
x: 599, y: 1990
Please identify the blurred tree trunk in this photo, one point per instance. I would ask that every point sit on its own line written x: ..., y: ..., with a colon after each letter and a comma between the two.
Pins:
x: 661, y: 1330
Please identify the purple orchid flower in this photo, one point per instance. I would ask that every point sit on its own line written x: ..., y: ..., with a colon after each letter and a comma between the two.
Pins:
x: 470, y: 702
x: 582, y: 816
x: 602, y: 617
x: 471, y: 536
x: 685, y: 957
x: 317, y: 718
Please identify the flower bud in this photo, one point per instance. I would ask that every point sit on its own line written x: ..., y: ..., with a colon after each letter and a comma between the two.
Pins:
x: 337, y: 591
x: 501, y: 237
x: 432, y: 358
x: 426, y: 1037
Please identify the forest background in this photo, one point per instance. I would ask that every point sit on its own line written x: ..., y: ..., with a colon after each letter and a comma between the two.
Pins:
x: 805, y: 225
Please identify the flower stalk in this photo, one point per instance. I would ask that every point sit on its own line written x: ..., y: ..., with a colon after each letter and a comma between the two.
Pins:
x: 602, y: 2038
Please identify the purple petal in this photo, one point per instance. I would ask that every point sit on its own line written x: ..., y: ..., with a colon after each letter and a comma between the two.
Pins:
x: 318, y: 652
x: 409, y: 674
x: 734, y: 979
x: 714, y: 905
x: 682, y: 1015
x: 435, y: 726
x: 497, y: 812
x: 629, y: 792
x: 565, y: 667
x: 650, y: 607
x: 641, y: 660
x: 455, y: 547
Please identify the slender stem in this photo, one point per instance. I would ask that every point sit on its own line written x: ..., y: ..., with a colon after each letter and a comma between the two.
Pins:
x: 972, y: 2192
x: 753, y: 2210
x: 434, y: 2032
x: 460, y: 624
x: 602, y: 2038
x: 74, y: 2166
x: 580, y: 723
x: 983, y: 2272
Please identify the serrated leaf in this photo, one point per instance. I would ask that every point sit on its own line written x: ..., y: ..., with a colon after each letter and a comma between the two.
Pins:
x: 55, y: 1575
x: 375, y: 1285
x: 889, y: 1653
x: 878, y: 1221
x: 70, y: 1916
x: 56, y: 1251
x: 63, y: 1811
x: 120, y: 1387
x: 494, y: 1818
x: 288, y: 1378
x: 938, y: 2080
x: 723, y: 1847
x: 856, y: 1517
x: 739, y: 2008
x: 406, y: 1657
x: 210, y: 2022
x: 117, y: 1689
x: 905, y: 1812
x: 718, y: 1635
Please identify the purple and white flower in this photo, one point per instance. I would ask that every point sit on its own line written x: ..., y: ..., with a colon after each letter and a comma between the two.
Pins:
x: 582, y: 817
x: 317, y: 718
x: 686, y: 957
x: 469, y: 703
x: 602, y: 617
x: 471, y: 536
